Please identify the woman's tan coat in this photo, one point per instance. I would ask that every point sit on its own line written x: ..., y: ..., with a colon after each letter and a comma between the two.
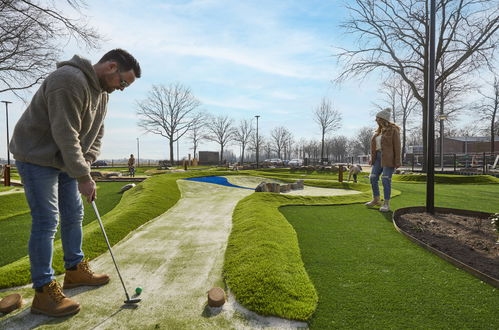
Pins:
x: 390, y: 147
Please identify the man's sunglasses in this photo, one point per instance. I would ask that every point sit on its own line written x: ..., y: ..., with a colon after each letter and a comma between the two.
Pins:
x: 123, y: 82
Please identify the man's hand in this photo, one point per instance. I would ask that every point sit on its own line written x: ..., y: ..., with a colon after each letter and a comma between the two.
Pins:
x: 87, y: 189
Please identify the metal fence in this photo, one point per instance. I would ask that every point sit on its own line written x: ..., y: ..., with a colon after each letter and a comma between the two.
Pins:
x: 477, y: 163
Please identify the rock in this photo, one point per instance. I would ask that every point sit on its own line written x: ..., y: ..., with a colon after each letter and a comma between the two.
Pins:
x: 286, y: 187
x: 300, y: 184
x: 276, y: 188
x: 96, y: 174
x: 111, y: 174
x: 216, y: 297
x: 127, y: 187
x: 262, y: 187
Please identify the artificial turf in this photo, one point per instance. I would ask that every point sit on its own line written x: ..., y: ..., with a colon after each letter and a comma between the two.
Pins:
x: 367, y: 275
x: 147, y: 200
x: 263, y: 265
x: 15, y: 219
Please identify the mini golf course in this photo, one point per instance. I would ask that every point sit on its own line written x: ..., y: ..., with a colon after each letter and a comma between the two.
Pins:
x: 219, y: 232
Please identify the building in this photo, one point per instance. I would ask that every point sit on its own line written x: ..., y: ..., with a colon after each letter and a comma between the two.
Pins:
x: 209, y: 157
x: 467, y: 145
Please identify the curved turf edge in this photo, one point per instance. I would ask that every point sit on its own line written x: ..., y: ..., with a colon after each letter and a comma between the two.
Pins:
x: 447, y: 178
x: 263, y: 265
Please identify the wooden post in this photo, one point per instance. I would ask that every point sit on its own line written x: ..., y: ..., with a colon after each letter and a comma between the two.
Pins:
x: 6, y: 176
x: 340, y: 173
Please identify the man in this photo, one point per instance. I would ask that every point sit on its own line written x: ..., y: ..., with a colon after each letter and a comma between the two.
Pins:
x: 354, y: 170
x: 131, y: 165
x: 54, y: 142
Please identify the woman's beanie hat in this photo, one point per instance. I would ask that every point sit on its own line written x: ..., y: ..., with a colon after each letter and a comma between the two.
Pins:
x: 384, y: 114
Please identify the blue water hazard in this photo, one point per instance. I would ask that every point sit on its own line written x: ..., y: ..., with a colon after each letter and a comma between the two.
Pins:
x: 216, y: 180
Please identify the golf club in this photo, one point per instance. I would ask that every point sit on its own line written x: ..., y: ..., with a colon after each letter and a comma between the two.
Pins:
x: 128, y: 300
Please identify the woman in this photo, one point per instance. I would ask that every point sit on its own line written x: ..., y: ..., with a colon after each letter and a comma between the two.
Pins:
x: 385, y: 158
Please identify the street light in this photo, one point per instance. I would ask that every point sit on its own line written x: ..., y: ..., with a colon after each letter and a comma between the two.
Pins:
x: 6, y: 178
x: 138, y: 154
x: 7, y: 118
x: 441, y: 118
x: 257, y: 141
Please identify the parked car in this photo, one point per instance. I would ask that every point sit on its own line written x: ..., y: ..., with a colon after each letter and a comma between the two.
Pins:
x: 275, y: 162
x: 99, y: 163
x: 295, y: 162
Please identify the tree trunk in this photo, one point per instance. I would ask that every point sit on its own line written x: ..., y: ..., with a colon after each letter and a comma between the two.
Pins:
x: 492, y: 138
x: 171, y: 152
x: 221, y: 154
x: 322, y: 146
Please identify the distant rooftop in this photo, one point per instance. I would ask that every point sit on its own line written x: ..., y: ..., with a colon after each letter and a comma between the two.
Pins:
x: 473, y: 138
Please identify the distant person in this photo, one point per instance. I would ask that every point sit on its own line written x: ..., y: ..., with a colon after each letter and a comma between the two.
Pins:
x: 354, y: 170
x: 131, y: 166
x: 385, y: 158
x: 54, y: 142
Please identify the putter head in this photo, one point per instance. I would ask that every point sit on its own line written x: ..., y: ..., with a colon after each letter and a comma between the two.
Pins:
x: 132, y: 301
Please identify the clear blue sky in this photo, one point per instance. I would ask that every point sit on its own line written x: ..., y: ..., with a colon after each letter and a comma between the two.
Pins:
x: 270, y: 58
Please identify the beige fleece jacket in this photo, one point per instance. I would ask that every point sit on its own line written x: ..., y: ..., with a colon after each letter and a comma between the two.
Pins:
x: 64, y: 123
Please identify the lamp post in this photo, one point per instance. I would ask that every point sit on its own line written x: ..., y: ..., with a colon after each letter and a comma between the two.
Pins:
x: 441, y: 118
x: 257, y: 141
x: 6, y: 179
x: 430, y: 152
x: 138, y: 154
x: 7, y: 122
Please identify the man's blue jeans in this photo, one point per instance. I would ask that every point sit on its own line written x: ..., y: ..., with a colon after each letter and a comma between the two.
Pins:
x: 51, y: 194
x: 386, y: 178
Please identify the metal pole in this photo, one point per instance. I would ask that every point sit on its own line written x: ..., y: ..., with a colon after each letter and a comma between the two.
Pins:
x: 257, y: 142
x: 138, y: 155
x: 430, y: 183
x: 7, y: 119
x: 442, y: 117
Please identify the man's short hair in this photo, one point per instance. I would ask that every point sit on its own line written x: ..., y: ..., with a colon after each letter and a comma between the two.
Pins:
x: 124, y: 59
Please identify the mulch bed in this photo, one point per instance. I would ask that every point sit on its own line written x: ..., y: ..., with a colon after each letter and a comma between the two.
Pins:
x: 469, y: 238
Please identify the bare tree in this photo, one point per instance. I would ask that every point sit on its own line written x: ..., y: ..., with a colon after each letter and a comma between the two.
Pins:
x: 394, y: 37
x: 242, y: 135
x: 400, y: 98
x: 288, y: 146
x: 488, y: 108
x: 32, y: 37
x: 169, y: 111
x: 362, y: 141
x: 220, y: 130
x: 197, y: 132
x: 328, y: 119
x: 338, y: 147
x: 279, y: 136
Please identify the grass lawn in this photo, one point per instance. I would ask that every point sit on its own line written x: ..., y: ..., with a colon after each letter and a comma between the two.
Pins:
x: 15, y: 219
x: 367, y: 275
x: 3, y: 188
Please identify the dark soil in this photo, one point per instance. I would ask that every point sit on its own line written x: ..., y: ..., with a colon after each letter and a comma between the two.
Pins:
x: 469, y: 239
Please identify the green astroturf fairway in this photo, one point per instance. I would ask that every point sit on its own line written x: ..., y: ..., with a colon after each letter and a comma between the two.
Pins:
x: 15, y: 229
x: 368, y: 275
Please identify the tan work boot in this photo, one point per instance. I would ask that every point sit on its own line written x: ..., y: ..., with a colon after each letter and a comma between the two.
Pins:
x: 83, y: 276
x: 53, y: 302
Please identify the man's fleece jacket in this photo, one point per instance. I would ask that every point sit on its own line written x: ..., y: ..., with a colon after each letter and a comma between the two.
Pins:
x: 63, y: 125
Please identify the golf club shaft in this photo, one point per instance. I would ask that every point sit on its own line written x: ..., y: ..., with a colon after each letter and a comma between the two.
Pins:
x: 109, y: 247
